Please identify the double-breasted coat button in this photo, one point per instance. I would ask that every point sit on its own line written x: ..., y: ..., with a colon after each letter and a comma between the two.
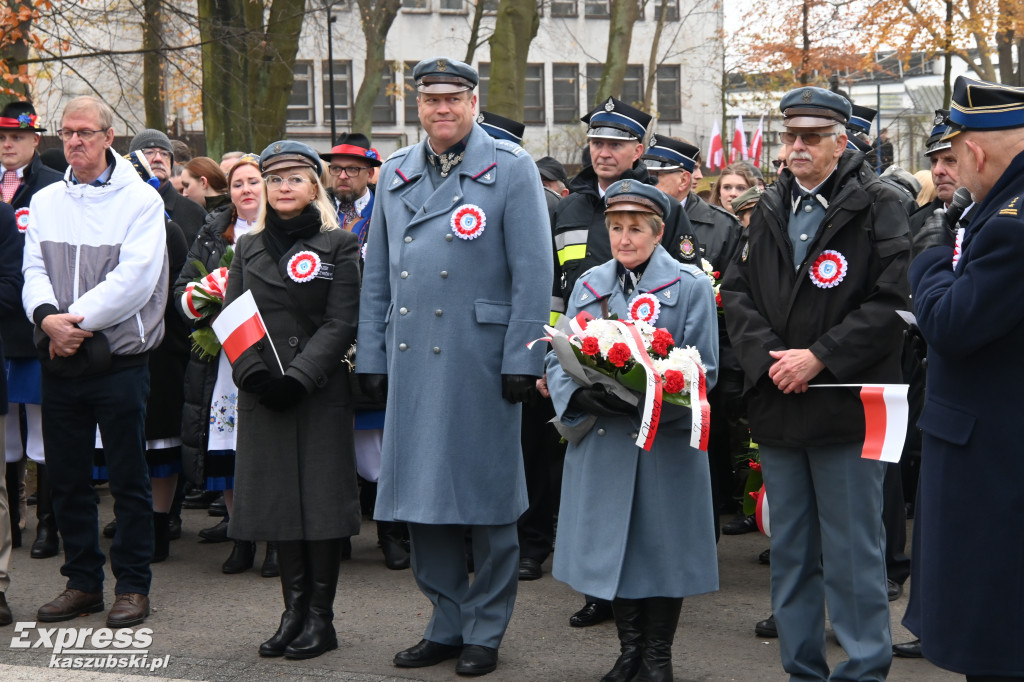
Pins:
x: 600, y: 432
x: 293, y: 341
x: 633, y: 434
x: 448, y: 237
x: 259, y: 345
x: 321, y: 381
x: 408, y: 239
x: 437, y: 350
x: 403, y: 310
x: 439, y: 312
x: 403, y: 346
x: 404, y: 274
x: 444, y: 274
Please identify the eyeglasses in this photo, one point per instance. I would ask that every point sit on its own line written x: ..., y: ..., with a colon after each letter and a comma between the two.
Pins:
x: 349, y: 171
x: 779, y: 163
x: 810, y: 139
x: 294, y: 181
x: 150, y: 152
x: 67, y: 135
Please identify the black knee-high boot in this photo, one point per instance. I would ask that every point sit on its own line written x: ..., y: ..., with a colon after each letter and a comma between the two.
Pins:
x: 295, y: 587
x: 47, y: 541
x: 12, y: 476
x: 318, y: 634
x: 161, y: 537
x: 629, y: 622
x: 661, y: 616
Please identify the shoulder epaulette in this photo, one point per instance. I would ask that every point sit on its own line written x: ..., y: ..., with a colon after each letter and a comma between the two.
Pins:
x: 1012, y: 208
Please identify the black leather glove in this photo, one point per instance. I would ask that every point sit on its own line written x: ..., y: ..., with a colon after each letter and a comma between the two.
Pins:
x: 283, y: 393
x: 518, y: 388
x: 598, y: 401
x: 374, y: 386
x: 934, y: 232
x: 256, y: 382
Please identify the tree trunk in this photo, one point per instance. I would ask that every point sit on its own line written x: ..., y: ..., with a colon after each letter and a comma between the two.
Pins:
x: 247, y: 71
x: 474, y: 31
x: 376, y: 17
x: 152, y: 65
x: 652, y: 65
x: 805, y: 53
x: 514, y: 29
x: 15, y: 53
x: 620, y: 36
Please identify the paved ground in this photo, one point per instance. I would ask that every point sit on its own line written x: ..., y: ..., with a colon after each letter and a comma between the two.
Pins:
x: 209, y: 625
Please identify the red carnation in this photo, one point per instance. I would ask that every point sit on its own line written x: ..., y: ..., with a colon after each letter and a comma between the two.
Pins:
x: 619, y: 354
x: 662, y: 342
x: 675, y: 382
x: 718, y: 300
x: 754, y: 466
x: 590, y: 346
x: 716, y: 274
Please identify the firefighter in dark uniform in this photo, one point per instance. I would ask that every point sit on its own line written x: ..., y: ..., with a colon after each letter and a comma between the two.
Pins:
x: 615, y: 140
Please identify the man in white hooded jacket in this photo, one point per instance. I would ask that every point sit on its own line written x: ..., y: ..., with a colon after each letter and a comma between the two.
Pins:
x: 95, y: 269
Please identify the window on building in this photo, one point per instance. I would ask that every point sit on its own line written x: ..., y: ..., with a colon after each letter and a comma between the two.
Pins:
x: 595, y: 9
x: 671, y: 9
x: 416, y: 5
x: 565, y: 92
x: 669, y: 102
x: 384, y: 105
x: 452, y: 5
x: 632, y: 83
x: 533, y: 100
x: 412, y: 115
x: 342, y: 90
x: 300, y: 102
x: 484, y: 85
x: 490, y: 6
x: 563, y: 8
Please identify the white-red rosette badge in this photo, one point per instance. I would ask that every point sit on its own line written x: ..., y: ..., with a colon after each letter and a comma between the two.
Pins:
x: 21, y: 218
x: 645, y: 308
x: 303, y: 266
x: 468, y: 221
x: 829, y: 269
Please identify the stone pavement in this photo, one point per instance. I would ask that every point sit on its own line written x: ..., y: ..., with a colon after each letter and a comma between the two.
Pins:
x: 208, y: 625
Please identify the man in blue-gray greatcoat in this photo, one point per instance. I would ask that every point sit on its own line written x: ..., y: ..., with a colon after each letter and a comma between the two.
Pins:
x: 456, y: 282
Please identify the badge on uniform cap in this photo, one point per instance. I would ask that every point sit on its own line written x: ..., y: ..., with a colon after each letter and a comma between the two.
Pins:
x: 303, y: 267
x: 609, y: 105
x: 940, y: 118
x: 479, y: 118
x: 277, y: 148
x: 807, y: 97
x: 21, y: 218
x: 654, y: 141
x: 626, y: 186
x: 645, y: 308
x: 468, y: 221
x: 829, y: 269
x: 686, y: 246
x: 442, y: 65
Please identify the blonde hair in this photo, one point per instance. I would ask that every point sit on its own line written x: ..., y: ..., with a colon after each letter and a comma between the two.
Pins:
x: 927, y: 193
x: 653, y: 220
x: 328, y: 216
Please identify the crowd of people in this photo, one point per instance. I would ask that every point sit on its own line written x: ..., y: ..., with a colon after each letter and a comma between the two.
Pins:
x: 394, y: 371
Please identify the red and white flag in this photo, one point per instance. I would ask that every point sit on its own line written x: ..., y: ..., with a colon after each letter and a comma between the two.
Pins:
x: 716, y: 153
x: 886, y: 414
x: 755, y: 142
x: 885, y: 421
x: 239, y: 326
x: 739, y: 142
x: 761, y: 512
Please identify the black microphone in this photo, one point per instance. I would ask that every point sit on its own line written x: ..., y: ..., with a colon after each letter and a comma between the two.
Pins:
x: 957, y: 205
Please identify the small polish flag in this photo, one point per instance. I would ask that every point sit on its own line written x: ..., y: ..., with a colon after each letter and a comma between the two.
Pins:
x: 885, y: 421
x: 761, y: 512
x: 739, y: 142
x: 716, y: 154
x: 239, y: 326
x: 755, y: 142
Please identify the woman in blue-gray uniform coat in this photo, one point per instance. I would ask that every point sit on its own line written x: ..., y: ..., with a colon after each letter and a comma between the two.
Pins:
x: 636, y: 527
x: 454, y: 286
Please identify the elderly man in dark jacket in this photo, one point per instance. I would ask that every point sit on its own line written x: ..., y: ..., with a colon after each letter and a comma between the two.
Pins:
x: 812, y: 299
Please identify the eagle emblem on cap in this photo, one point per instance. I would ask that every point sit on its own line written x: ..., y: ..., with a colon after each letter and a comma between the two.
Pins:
x: 807, y: 97
x: 479, y: 118
x: 277, y: 148
x: 609, y: 105
x: 654, y: 141
x: 940, y: 118
x: 442, y: 65
x: 626, y: 186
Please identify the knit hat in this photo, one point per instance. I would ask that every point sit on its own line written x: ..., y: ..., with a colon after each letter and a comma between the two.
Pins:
x: 149, y: 138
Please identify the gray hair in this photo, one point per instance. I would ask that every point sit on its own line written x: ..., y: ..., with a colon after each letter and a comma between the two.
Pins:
x: 93, y: 104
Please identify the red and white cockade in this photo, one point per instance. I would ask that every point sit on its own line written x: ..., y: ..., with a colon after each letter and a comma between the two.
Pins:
x: 468, y: 221
x: 21, y: 218
x: 828, y: 269
x: 645, y: 308
x: 303, y: 267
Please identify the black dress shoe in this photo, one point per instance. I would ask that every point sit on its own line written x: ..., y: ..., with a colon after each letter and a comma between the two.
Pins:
x: 894, y: 588
x: 243, y: 556
x: 592, y: 613
x: 766, y: 627
x: 6, y: 617
x: 110, y: 530
x: 529, y: 569
x: 765, y: 557
x: 200, y: 499
x: 270, y: 568
x: 910, y: 649
x: 476, y: 660
x: 426, y: 653
x: 218, y: 507
x: 740, y: 525
x: 218, y: 533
